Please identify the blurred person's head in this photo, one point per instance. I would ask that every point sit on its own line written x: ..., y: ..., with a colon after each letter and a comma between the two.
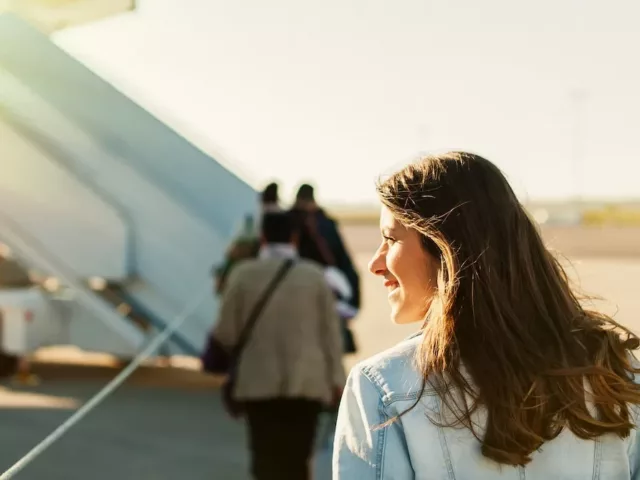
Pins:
x: 270, y: 194
x: 305, y: 197
x: 460, y: 254
x: 278, y: 227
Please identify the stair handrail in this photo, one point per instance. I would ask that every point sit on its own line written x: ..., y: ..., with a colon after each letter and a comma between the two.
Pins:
x: 99, y: 148
x: 30, y: 248
x: 109, y: 151
x: 22, y: 122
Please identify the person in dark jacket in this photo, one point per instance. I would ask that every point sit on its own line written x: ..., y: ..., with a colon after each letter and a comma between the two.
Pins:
x: 320, y: 240
x: 270, y: 199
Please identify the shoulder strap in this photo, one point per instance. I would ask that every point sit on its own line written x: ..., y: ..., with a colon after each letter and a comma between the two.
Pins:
x: 258, y: 307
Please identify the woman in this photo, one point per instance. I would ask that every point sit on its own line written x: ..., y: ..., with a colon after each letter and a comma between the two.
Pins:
x: 509, y: 376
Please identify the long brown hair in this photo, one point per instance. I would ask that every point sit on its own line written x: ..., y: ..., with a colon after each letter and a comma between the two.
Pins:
x: 505, y: 313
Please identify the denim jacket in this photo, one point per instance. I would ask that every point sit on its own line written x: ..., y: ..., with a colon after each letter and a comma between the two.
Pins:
x: 380, y: 388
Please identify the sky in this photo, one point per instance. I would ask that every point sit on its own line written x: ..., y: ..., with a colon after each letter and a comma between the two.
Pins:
x: 340, y: 92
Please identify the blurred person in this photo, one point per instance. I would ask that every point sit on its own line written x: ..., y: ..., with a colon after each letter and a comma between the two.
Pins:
x: 321, y: 241
x: 247, y: 242
x: 270, y: 199
x: 290, y: 367
x: 508, y: 376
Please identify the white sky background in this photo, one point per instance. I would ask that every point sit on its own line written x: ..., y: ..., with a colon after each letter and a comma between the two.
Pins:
x: 339, y: 91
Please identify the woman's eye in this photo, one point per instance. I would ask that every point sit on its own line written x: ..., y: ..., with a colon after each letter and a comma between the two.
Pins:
x: 389, y: 240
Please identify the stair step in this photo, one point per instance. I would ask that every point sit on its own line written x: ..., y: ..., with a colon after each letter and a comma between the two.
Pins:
x: 121, y: 297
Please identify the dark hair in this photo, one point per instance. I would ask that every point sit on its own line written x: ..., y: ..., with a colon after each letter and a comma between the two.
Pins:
x: 305, y: 192
x: 270, y: 193
x: 505, y: 313
x: 278, y: 227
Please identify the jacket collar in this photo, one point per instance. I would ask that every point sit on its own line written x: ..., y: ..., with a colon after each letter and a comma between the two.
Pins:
x: 278, y: 250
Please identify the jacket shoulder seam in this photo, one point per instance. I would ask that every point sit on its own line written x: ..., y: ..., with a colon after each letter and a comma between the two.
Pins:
x: 375, y: 378
x: 387, y: 397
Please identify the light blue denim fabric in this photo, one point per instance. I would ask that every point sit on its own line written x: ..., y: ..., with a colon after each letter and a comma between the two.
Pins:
x: 413, y: 447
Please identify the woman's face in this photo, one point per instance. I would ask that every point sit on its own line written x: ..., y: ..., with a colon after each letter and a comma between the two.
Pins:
x: 408, y: 271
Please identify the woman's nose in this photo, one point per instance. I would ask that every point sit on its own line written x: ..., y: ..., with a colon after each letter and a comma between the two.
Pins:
x: 377, y: 264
